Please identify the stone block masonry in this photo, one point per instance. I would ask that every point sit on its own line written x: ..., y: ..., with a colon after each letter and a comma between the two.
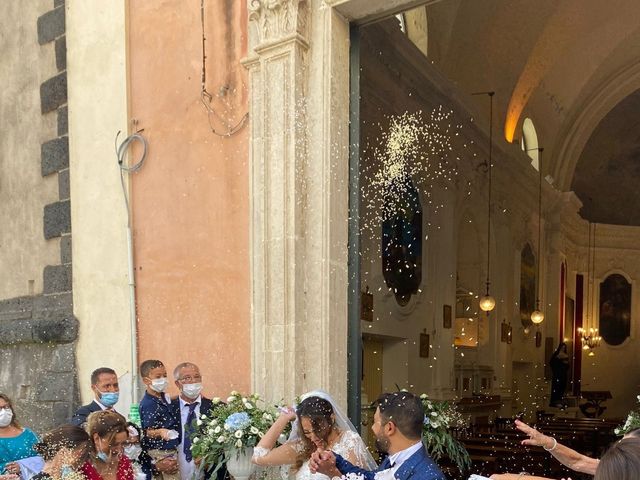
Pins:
x: 38, y: 333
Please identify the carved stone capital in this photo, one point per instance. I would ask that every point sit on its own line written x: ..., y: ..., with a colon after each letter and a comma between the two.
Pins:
x: 274, y: 20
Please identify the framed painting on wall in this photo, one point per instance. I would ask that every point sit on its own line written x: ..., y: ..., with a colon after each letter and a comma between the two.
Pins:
x: 615, y: 309
x: 446, y: 316
x: 424, y: 345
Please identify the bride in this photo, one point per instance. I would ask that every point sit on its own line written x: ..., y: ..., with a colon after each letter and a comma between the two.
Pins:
x: 318, y: 423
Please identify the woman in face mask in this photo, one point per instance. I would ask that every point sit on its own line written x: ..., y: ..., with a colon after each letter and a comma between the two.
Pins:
x: 16, y: 442
x: 108, y: 433
x: 64, y: 450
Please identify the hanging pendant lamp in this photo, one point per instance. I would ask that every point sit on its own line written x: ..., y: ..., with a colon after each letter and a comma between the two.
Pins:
x: 487, y: 302
x: 537, y: 316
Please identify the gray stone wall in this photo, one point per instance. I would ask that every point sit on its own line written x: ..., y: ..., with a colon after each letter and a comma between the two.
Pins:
x: 38, y: 333
x: 37, y: 358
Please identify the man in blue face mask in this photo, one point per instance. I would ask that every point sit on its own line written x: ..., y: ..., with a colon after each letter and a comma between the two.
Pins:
x: 104, y: 383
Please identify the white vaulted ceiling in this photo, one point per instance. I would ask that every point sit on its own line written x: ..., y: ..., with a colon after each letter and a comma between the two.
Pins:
x: 573, y: 67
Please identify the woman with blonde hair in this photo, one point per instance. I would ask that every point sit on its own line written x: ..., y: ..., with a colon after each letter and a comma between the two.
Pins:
x: 108, y: 433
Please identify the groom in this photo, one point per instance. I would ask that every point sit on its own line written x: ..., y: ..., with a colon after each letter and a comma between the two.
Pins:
x: 398, y: 429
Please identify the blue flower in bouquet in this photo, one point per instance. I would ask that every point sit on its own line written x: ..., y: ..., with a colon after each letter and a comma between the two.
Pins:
x: 237, y: 421
x: 426, y: 420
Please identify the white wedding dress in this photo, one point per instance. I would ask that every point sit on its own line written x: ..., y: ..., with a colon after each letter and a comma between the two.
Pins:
x: 350, y: 447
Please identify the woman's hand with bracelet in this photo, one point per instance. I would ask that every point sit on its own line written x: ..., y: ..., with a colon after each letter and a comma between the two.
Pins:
x: 536, y: 438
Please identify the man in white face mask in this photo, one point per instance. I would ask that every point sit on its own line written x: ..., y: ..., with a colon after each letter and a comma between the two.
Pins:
x: 160, y: 422
x: 189, y: 405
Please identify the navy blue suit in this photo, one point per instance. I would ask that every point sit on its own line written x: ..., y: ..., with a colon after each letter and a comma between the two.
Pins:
x: 80, y: 417
x: 206, y: 406
x: 418, y: 466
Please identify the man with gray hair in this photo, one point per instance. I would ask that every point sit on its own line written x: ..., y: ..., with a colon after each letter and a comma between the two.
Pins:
x: 189, y: 405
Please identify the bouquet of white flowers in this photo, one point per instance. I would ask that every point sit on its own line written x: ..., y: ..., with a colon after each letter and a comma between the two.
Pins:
x: 631, y: 423
x: 230, y: 428
x: 439, y: 419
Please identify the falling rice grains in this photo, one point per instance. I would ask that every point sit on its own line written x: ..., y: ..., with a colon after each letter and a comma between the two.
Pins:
x: 412, y: 150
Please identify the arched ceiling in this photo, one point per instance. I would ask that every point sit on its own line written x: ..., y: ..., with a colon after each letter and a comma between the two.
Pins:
x: 566, y: 65
x: 607, y: 175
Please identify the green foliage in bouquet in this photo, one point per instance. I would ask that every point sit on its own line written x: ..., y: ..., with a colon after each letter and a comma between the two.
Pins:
x: 439, y: 419
x: 229, y: 428
x: 631, y: 423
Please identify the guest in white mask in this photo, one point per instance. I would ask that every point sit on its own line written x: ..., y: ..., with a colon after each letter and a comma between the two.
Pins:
x: 160, y: 423
x: 189, y: 406
x: 16, y: 442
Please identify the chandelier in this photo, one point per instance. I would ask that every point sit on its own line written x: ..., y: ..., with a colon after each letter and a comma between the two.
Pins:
x: 589, y: 335
x: 590, y: 339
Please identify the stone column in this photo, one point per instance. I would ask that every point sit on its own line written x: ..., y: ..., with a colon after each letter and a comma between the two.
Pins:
x: 299, y: 183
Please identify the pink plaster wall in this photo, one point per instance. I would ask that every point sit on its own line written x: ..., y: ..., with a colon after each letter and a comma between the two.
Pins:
x: 191, y: 198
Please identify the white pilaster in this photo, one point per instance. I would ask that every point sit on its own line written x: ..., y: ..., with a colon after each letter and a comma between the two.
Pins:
x: 299, y: 204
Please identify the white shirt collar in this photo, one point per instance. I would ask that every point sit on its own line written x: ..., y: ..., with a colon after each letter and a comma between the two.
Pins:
x: 400, y: 457
x: 102, y: 406
x: 183, y: 404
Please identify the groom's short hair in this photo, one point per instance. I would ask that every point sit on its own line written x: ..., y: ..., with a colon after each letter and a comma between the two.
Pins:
x: 405, y: 410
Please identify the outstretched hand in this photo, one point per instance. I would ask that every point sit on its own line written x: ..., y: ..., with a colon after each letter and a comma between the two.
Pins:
x: 536, y: 438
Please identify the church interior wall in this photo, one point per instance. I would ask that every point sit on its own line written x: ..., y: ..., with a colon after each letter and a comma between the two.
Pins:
x: 613, y: 367
x: 518, y: 367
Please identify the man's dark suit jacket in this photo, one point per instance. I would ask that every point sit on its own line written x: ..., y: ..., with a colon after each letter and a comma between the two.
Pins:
x: 418, y: 466
x: 206, y: 406
x: 80, y: 417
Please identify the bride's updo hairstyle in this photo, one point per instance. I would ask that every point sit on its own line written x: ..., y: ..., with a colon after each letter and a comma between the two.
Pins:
x: 321, y: 415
